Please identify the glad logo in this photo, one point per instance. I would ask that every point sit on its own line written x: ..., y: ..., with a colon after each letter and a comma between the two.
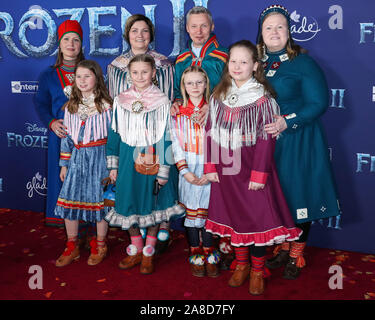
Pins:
x: 303, y: 28
x: 37, y: 184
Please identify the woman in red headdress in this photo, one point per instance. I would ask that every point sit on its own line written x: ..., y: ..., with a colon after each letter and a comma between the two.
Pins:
x: 54, y: 89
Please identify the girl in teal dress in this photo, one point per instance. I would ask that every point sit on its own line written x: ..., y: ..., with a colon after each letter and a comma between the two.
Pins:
x: 139, y: 156
x: 301, y: 151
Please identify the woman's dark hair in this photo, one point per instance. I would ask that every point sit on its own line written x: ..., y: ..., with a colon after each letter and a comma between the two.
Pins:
x: 100, y: 90
x: 138, y: 17
x: 221, y: 90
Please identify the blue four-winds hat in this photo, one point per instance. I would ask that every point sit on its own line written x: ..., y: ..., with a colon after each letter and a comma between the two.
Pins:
x: 273, y: 8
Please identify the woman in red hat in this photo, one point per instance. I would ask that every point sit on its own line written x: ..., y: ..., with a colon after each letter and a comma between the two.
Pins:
x: 54, y: 89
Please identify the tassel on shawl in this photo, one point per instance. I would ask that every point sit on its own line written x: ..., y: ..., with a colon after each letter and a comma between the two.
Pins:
x: 238, y: 126
x: 95, y: 126
x: 140, y: 129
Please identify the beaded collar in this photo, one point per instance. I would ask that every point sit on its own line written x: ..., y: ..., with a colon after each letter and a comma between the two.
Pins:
x: 281, y: 56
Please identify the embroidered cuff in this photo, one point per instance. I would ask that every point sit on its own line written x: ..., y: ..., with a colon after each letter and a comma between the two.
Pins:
x: 50, y: 123
x: 209, y: 167
x: 65, y: 155
x: 259, y: 177
x: 181, y: 165
x: 291, y: 121
x: 163, y: 172
x: 112, y: 162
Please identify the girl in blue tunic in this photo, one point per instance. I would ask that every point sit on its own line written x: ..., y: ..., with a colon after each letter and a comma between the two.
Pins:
x: 194, y: 188
x: 301, y: 151
x: 139, y: 156
x: 82, y: 160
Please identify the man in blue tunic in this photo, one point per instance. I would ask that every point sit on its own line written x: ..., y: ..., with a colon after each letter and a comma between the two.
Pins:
x: 203, y: 50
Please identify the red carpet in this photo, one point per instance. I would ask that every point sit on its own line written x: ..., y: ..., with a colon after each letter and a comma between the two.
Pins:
x: 25, y: 241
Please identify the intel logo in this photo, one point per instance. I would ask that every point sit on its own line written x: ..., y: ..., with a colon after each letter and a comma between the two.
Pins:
x: 24, y: 86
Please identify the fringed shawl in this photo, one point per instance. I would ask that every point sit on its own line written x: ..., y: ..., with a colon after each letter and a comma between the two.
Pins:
x: 142, y: 128
x: 119, y: 77
x: 95, y: 123
x: 240, y: 118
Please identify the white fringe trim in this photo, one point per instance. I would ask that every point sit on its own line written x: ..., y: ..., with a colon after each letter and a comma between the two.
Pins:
x: 95, y: 126
x: 140, y: 129
x: 235, y: 127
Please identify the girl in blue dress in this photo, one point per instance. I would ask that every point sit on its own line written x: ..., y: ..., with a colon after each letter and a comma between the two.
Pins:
x: 82, y: 161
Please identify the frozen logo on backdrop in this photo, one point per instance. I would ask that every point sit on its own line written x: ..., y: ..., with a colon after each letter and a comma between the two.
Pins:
x: 36, y: 137
x: 40, y: 18
x: 303, y: 28
x: 37, y: 184
x: 34, y: 128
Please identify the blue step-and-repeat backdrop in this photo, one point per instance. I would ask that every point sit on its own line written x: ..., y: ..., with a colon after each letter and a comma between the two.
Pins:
x: 339, y: 34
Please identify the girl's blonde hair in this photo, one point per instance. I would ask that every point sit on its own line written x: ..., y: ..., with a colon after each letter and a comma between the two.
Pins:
x: 184, y: 94
x: 100, y: 90
x: 221, y: 90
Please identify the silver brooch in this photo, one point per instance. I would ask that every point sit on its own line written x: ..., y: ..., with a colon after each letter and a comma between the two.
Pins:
x: 68, y: 91
x: 194, y: 117
x: 137, y: 106
x: 233, y: 98
x: 83, y: 111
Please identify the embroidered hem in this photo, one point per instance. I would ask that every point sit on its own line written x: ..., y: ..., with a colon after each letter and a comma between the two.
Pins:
x: 143, y: 221
x: 84, y: 215
x: 265, y: 238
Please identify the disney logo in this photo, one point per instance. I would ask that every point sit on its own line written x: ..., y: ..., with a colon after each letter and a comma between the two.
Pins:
x: 34, y: 128
x: 304, y: 29
x: 37, y: 184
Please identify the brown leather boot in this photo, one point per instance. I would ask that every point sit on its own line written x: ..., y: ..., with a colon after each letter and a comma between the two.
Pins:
x: 212, y: 259
x: 70, y: 254
x: 147, y: 264
x: 97, y: 253
x: 130, y: 261
x: 197, y: 270
x: 240, y: 274
x: 196, y: 261
x: 256, y: 286
x: 212, y: 270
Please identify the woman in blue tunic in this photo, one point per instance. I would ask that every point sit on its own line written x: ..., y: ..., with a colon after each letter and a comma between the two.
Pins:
x: 139, y: 156
x: 53, y: 92
x: 301, y: 152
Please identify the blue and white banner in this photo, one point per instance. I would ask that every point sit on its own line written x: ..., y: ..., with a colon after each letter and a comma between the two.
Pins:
x: 339, y: 35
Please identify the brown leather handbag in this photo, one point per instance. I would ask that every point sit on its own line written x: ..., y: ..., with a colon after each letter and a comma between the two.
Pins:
x: 147, y: 164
